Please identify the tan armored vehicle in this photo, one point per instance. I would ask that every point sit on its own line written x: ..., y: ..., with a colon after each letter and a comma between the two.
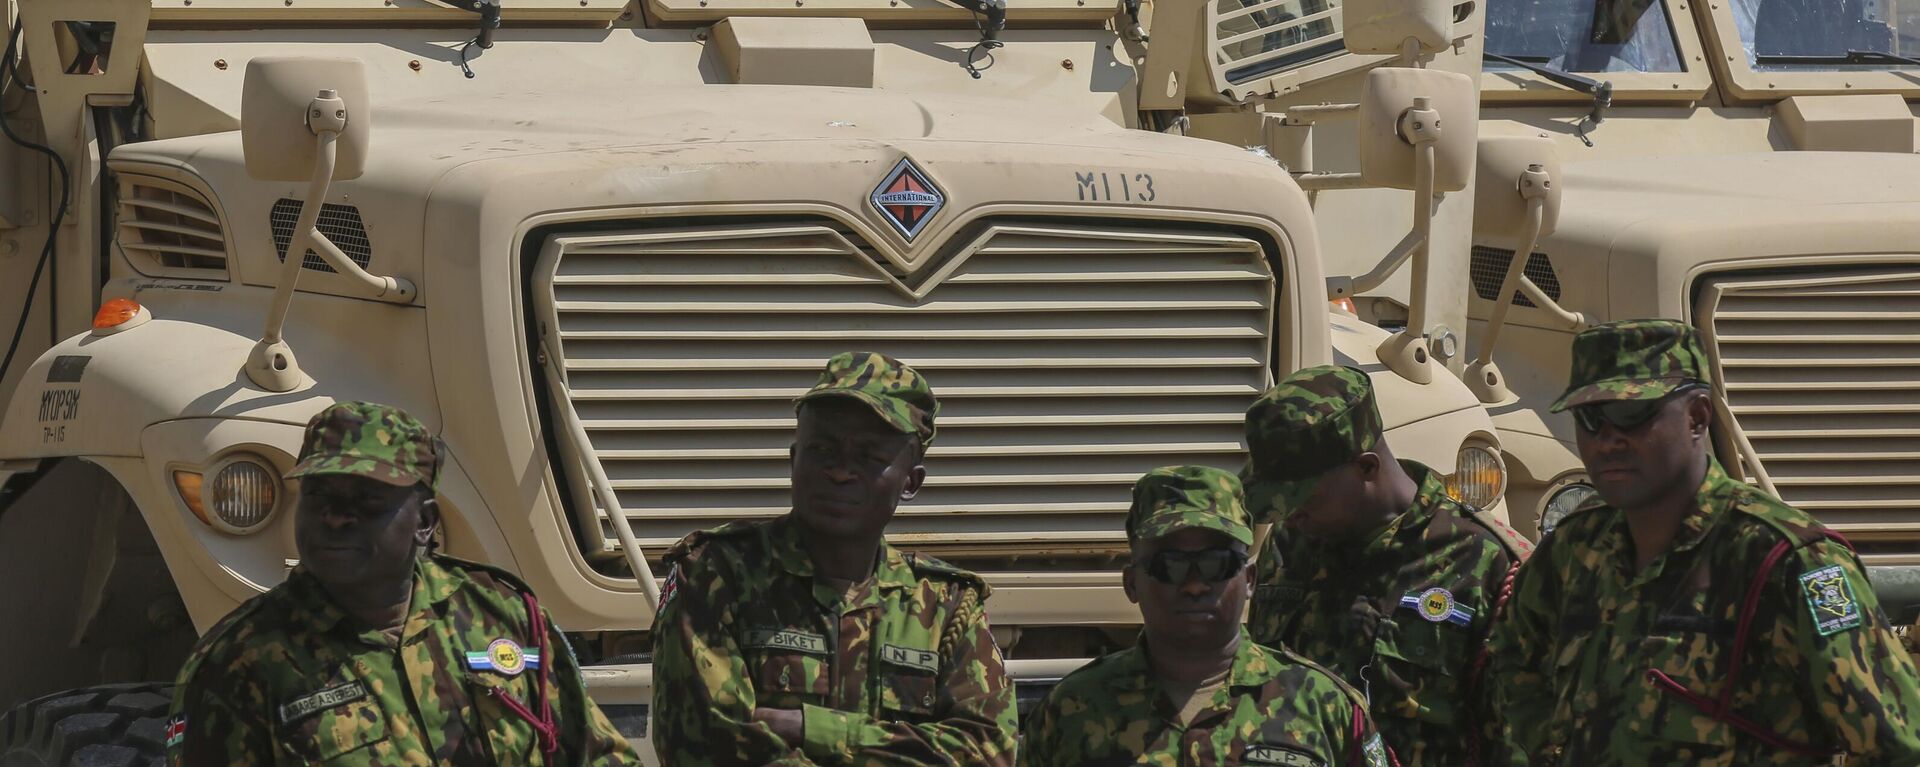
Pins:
x: 1745, y: 165
x: 600, y: 245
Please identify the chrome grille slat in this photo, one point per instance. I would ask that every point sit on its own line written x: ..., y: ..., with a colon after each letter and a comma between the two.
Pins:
x: 1819, y: 370
x: 1069, y: 360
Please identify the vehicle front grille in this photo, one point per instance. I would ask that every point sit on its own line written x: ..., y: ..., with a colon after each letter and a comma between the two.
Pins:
x: 1821, y: 370
x: 1069, y: 359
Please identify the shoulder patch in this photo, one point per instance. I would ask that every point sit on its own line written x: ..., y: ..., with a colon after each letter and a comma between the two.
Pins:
x: 668, y: 587
x: 1376, y: 751
x: 1285, y: 756
x: 1830, y: 599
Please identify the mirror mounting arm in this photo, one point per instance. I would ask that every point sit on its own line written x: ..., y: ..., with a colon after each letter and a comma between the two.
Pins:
x: 1406, y: 351
x: 271, y: 364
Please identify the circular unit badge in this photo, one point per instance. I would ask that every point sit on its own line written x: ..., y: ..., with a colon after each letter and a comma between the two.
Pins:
x: 507, y: 658
x: 1435, y: 604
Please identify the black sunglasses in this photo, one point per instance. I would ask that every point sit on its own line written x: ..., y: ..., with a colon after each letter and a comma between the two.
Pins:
x: 1624, y: 415
x: 1212, y: 565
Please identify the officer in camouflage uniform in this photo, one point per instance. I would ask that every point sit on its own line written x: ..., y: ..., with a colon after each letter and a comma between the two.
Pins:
x: 1195, y: 689
x: 1682, y: 616
x: 1371, y: 568
x: 376, y: 651
x: 807, y: 639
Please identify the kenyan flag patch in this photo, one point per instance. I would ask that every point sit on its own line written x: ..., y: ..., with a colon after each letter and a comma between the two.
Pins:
x: 176, y: 731
x: 1830, y: 597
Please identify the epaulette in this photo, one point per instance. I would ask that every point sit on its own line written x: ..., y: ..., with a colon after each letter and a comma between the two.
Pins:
x: 1298, y: 659
x: 1517, y: 545
x: 1796, y: 526
x: 505, y: 578
x: 699, y: 538
x: 924, y: 565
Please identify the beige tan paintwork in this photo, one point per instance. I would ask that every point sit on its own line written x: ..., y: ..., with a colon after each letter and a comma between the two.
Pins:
x: 1092, y: 299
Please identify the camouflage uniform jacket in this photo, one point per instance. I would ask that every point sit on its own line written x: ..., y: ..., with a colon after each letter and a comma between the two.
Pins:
x: 288, y: 678
x: 1404, y: 617
x: 1275, y: 708
x: 1576, y: 653
x: 899, y: 670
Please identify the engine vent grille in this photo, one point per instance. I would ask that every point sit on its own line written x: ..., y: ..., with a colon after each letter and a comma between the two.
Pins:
x: 1257, y: 38
x: 1820, y: 372
x: 340, y: 223
x: 169, y: 229
x: 1069, y: 360
x: 1489, y: 269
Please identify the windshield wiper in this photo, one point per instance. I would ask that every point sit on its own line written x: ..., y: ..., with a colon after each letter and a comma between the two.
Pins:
x: 1600, y: 90
x: 1850, y: 57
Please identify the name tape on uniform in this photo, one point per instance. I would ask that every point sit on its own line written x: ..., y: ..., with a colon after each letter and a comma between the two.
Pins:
x: 787, y: 639
x: 337, y: 695
x: 1281, y: 755
x: 911, y: 657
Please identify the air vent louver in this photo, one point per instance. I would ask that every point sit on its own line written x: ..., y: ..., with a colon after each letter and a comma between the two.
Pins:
x: 340, y: 223
x: 165, y: 227
x: 1489, y: 268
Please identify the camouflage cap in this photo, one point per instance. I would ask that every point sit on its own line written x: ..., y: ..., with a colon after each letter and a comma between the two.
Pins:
x: 1312, y: 421
x: 1174, y: 498
x: 896, y: 392
x: 366, y: 439
x: 1633, y: 359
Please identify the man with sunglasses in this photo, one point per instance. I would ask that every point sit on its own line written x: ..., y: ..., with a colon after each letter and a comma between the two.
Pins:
x: 376, y: 650
x: 1195, y: 689
x: 807, y: 639
x: 1683, y: 616
x: 1371, y: 568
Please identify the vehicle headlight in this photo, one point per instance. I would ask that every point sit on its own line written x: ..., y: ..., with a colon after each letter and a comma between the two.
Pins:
x: 1563, y: 502
x: 1479, y: 477
x: 240, y: 498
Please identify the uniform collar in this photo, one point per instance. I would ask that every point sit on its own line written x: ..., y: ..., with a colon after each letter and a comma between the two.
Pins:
x: 1406, y: 529
x: 785, y: 540
x: 1253, y: 666
x: 433, y: 584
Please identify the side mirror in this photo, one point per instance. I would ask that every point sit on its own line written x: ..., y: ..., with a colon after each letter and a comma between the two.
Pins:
x: 277, y: 130
x: 1401, y: 109
x: 1384, y: 26
x: 1500, y: 199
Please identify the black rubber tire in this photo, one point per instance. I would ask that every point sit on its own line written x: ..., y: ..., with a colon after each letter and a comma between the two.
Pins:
x: 116, y: 725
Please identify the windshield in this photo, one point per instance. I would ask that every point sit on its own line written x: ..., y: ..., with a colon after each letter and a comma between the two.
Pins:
x: 1584, y: 35
x: 1818, y: 34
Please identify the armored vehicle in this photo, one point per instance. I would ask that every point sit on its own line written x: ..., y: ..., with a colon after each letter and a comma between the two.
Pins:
x: 599, y: 246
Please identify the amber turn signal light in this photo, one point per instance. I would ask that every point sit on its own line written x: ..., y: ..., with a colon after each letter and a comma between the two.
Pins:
x: 189, y: 483
x: 115, y: 312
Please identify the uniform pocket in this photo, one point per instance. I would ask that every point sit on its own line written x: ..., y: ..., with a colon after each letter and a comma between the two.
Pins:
x: 1419, y: 670
x: 510, y: 735
x: 337, y: 735
x: 1675, y: 684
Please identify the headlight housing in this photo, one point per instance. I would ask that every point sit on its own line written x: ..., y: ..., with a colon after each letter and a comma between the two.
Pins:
x: 1479, y: 477
x: 1563, y: 502
x: 239, y: 495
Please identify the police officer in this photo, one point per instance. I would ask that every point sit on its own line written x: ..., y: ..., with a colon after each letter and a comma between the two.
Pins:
x: 1682, y: 616
x: 1371, y: 568
x: 807, y: 639
x: 375, y: 650
x: 1195, y: 689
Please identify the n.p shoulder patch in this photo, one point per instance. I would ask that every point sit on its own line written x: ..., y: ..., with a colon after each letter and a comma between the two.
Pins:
x: 1830, y: 598
x: 1285, y: 756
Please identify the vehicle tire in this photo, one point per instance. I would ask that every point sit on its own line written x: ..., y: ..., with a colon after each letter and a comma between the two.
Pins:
x: 118, y: 725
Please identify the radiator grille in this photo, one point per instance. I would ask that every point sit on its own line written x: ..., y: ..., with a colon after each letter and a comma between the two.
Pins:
x: 166, y: 225
x: 1489, y: 268
x: 1068, y: 361
x: 1821, y: 373
x: 340, y: 223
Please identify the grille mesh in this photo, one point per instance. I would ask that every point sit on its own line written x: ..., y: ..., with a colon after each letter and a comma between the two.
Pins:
x: 1819, y: 371
x: 1068, y: 361
x: 1489, y: 268
x: 340, y: 223
x: 169, y: 226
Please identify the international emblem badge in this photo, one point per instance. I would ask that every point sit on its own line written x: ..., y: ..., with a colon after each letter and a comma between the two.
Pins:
x: 907, y: 199
x: 504, y: 656
x: 1830, y: 597
x: 1437, y: 605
